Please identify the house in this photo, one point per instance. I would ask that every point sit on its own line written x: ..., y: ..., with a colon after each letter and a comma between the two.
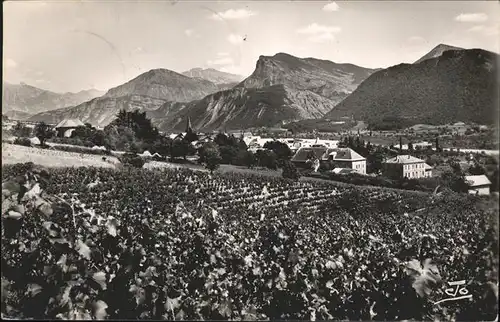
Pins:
x: 66, y: 127
x: 406, y: 166
x: 478, y: 185
x: 348, y: 159
x: 340, y: 157
x: 305, y: 154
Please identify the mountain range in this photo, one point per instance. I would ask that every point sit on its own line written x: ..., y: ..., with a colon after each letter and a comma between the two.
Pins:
x: 447, y: 84
x: 147, y: 92
x: 283, y: 88
x: 20, y: 101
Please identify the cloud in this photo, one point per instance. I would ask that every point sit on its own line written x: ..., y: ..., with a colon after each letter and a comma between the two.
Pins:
x: 232, y: 14
x: 485, y: 30
x: 235, y: 39
x: 332, y: 6
x: 471, y: 17
x: 189, y: 32
x: 221, y: 61
x: 10, y: 63
x: 319, y: 33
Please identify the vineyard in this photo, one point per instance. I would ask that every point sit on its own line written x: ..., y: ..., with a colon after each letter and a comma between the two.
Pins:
x: 82, y: 243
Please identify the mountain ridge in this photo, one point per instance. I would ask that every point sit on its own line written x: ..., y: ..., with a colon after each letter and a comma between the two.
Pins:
x: 436, y: 52
x: 23, y: 100
x: 327, y: 84
x: 146, y: 92
x: 213, y: 75
x: 459, y: 85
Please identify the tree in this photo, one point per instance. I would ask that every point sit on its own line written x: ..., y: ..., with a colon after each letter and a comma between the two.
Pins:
x: 281, y: 149
x: 248, y: 158
x: 368, y: 148
x: 477, y: 169
x: 228, y: 154
x: 494, y: 180
x: 20, y: 130
x: 162, y: 145
x: 290, y: 171
x: 222, y: 139
x: 266, y: 158
x: 138, y: 122
x: 84, y: 132
x: 410, y: 146
x: 181, y: 148
x: 438, y: 148
x: 98, y: 138
x: 210, y: 156
x: 43, y: 132
x: 455, y: 179
x: 374, y: 162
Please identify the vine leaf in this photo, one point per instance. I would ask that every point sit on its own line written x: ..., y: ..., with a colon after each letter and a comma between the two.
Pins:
x: 139, y: 294
x: 33, y: 289
x: 14, y: 215
x: 423, y: 277
x: 111, y: 224
x: 100, y: 310
x: 32, y: 193
x: 100, y: 278
x: 225, y: 309
x: 172, y: 304
x: 83, y: 249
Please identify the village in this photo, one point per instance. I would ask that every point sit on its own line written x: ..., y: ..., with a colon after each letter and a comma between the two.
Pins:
x: 312, y: 156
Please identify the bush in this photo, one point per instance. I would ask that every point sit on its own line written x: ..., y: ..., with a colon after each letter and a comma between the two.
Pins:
x: 80, y: 149
x: 290, y: 171
x: 424, y: 184
x: 133, y: 160
x: 22, y: 141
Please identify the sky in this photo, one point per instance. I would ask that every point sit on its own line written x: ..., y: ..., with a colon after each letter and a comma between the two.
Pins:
x: 69, y: 46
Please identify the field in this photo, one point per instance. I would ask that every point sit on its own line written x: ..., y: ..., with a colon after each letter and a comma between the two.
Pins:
x: 179, y: 244
x: 12, y: 154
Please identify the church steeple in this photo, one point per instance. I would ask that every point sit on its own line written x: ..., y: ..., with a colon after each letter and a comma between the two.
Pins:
x: 188, y: 126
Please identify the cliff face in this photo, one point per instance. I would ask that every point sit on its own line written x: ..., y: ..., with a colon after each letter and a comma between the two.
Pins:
x: 255, y: 107
x: 326, y: 78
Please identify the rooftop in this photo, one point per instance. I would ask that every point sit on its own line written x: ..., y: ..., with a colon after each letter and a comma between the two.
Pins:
x: 479, y: 180
x: 404, y: 159
x: 70, y: 123
x: 339, y: 154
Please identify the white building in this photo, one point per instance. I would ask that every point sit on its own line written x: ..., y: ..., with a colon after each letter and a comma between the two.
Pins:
x: 348, y: 158
x: 406, y: 166
x: 478, y: 185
